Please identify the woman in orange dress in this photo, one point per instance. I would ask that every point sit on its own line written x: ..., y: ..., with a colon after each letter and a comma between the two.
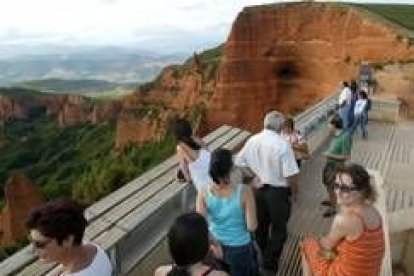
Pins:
x: 355, y: 243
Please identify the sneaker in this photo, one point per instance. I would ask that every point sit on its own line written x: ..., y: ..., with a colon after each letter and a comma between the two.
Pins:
x: 329, y: 213
x: 326, y: 203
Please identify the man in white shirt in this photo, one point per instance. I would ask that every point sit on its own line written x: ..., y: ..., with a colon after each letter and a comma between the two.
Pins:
x: 361, y: 114
x: 345, y: 105
x: 271, y: 158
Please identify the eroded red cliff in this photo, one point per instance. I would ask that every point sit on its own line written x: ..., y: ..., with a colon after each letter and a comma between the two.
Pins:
x: 69, y: 110
x: 21, y: 196
x: 178, y: 91
x: 287, y: 56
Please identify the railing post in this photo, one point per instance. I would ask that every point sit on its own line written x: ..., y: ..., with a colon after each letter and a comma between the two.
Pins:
x: 115, y: 261
x: 184, y: 197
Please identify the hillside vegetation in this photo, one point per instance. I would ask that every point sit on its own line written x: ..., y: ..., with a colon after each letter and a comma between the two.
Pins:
x: 76, y: 161
x: 399, y: 14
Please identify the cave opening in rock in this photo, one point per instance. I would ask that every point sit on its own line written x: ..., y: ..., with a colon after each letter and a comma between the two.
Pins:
x: 286, y: 71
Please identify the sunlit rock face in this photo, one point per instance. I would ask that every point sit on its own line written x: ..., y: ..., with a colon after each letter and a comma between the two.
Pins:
x: 177, y: 92
x: 21, y: 195
x: 287, y: 56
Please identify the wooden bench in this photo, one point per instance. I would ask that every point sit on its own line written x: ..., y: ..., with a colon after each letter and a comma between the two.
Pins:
x: 129, y: 222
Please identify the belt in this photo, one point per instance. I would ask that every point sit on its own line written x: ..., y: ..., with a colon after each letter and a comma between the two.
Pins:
x: 275, y: 187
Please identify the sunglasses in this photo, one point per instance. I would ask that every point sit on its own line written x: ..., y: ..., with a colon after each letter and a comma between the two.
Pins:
x: 40, y: 244
x: 344, y: 188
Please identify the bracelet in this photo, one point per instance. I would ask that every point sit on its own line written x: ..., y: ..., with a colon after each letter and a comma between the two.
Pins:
x: 328, y: 254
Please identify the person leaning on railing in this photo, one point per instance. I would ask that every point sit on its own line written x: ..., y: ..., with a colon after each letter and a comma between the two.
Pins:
x: 56, y: 230
x: 188, y: 243
x: 192, y: 154
x: 355, y: 244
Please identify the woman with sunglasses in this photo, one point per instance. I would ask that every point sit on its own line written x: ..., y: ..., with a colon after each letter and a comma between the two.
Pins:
x: 56, y: 231
x: 355, y: 243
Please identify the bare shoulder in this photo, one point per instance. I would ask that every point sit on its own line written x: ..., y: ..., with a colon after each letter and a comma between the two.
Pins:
x: 162, y: 270
x: 372, y: 217
x: 179, y: 148
x: 346, y: 222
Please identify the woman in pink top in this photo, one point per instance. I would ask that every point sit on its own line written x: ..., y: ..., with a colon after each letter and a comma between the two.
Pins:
x: 292, y: 135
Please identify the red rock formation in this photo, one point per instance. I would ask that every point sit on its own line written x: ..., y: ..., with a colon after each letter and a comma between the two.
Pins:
x: 11, y: 109
x: 281, y: 56
x: 21, y: 196
x: 287, y: 56
x: 74, y: 112
x: 133, y: 128
x: 105, y: 111
x: 175, y: 92
x: 69, y: 109
x: 176, y: 87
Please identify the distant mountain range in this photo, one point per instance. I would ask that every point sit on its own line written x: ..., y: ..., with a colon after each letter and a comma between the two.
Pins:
x: 89, y: 87
x: 110, y: 64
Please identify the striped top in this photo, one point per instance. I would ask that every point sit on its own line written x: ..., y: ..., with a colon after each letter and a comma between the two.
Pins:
x: 362, y: 256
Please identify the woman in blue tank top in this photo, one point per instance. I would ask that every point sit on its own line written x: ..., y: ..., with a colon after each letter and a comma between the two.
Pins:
x: 231, y: 215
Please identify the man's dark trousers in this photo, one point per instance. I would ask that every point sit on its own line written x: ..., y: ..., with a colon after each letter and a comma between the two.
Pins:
x: 273, y: 212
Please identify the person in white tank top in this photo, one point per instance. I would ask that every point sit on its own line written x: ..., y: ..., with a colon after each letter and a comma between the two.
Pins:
x: 192, y: 154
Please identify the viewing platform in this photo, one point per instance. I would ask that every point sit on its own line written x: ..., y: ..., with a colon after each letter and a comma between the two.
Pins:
x: 131, y: 223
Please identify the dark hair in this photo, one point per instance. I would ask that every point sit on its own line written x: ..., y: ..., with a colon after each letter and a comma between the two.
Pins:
x: 289, y: 122
x: 354, y: 87
x: 345, y: 84
x: 58, y: 220
x: 361, y: 180
x: 363, y: 94
x: 221, y: 163
x: 336, y: 121
x: 183, y: 133
x: 188, y: 242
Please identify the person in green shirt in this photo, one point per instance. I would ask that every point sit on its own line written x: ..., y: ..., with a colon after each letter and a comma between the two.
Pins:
x: 338, y: 152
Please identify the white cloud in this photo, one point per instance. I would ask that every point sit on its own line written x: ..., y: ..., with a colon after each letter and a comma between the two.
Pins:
x: 103, y: 21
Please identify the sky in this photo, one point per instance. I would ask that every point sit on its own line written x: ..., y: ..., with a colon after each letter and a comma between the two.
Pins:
x: 120, y: 22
